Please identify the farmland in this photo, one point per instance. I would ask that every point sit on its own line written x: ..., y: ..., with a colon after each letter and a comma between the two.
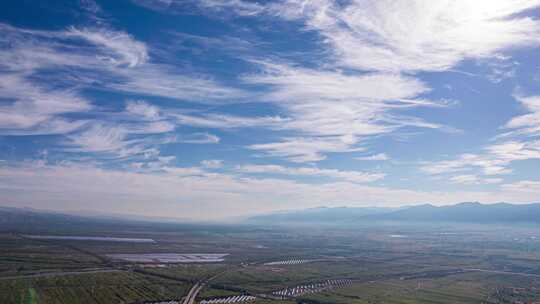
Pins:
x: 251, y: 264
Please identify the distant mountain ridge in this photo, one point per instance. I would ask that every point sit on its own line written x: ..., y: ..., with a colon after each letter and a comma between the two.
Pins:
x: 14, y: 213
x: 30, y: 218
x: 320, y: 214
x: 27, y: 218
x: 463, y: 212
x: 467, y: 212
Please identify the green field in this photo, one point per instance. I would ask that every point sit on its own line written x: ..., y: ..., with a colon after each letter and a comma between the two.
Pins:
x: 425, y: 267
x: 90, y: 288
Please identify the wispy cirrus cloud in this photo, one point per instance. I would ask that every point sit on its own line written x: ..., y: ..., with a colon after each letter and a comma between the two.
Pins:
x: 494, y: 161
x: 380, y: 41
x: 308, y: 149
x: 33, y: 109
x: 519, y: 144
x: 101, y: 139
x: 117, y: 48
x: 330, y: 105
x: 136, y: 131
x: 226, y: 121
x: 163, y: 81
x: 389, y: 38
x: 351, y: 176
x: 143, y: 110
x: 529, y: 123
x: 374, y: 157
x: 502, y: 68
x: 44, y: 72
x: 367, y: 35
x: 240, y: 7
x: 489, y: 164
x: 526, y: 186
x: 471, y: 179
x: 406, y: 35
x: 212, y: 163
x: 210, y: 7
x: 198, y: 138
x: 415, y: 35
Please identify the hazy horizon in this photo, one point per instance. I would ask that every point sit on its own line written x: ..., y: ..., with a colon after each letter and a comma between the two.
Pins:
x: 239, y: 218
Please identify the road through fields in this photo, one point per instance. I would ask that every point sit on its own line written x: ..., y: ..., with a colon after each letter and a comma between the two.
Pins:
x: 193, y: 292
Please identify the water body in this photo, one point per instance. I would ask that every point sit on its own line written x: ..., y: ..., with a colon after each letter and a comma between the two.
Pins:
x: 89, y: 238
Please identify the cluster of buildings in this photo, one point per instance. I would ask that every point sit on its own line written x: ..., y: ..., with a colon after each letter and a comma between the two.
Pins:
x: 310, y: 288
x: 232, y: 299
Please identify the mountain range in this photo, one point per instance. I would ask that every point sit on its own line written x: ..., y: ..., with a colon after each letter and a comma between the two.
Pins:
x: 462, y: 212
x: 25, y: 218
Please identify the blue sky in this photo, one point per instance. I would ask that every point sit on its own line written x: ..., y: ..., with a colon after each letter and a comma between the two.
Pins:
x: 212, y: 109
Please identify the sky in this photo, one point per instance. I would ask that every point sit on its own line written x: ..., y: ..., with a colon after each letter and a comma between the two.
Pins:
x: 213, y: 109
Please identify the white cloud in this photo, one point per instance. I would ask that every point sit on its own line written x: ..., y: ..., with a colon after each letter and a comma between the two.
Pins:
x: 185, y: 171
x: 212, y: 163
x: 240, y: 7
x: 297, y: 84
x: 76, y: 59
x: 418, y: 34
x: 161, y: 80
x: 44, y: 73
x: 351, y: 176
x: 511, y: 146
x: 469, y: 179
x: 215, y: 8
x: 528, y: 123
x: 117, y: 140
x: 406, y: 35
x: 118, y: 48
x: 143, y: 109
x: 223, y: 121
x: 515, y: 150
x: 331, y: 106
x: 375, y: 157
x: 198, y: 138
x: 36, y: 110
x: 501, y: 68
x: 101, y: 139
x: 125, y: 141
x: 494, y: 161
x: 524, y: 187
x: 387, y: 39
x: 307, y: 149
x: 157, y: 4
x: 135, y: 132
x: 489, y: 164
